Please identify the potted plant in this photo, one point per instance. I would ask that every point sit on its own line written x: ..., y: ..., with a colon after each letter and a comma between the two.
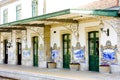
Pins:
x: 51, y: 64
x: 104, y: 68
x: 75, y: 66
x: 54, y: 53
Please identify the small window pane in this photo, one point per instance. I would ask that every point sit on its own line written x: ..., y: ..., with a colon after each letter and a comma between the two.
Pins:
x: 18, y: 12
x: 5, y: 16
x: 34, y: 8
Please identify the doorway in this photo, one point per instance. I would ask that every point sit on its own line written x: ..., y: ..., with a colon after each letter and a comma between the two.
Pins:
x: 19, y: 53
x: 5, y: 52
x: 35, y: 51
x: 93, y: 43
x: 66, y: 52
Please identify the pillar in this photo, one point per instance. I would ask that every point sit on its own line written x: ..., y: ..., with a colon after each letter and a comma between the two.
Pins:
x: 47, y: 42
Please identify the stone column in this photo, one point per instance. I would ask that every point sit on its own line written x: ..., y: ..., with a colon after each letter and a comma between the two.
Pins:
x: 47, y: 42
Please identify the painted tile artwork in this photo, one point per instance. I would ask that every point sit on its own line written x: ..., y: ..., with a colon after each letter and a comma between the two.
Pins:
x: 54, y: 51
x: 54, y: 54
x: 26, y: 53
x: 108, y: 55
x: 11, y: 54
x: 79, y: 54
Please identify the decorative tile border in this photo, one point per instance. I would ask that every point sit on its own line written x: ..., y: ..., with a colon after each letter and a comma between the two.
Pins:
x: 54, y: 52
x: 78, y: 53
x: 108, y: 54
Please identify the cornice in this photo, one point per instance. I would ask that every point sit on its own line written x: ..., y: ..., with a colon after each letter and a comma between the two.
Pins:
x: 6, y: 2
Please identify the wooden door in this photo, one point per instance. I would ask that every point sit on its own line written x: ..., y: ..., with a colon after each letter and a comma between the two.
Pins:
x: 35, y: 51
x: 66, y: 50
x: 5, y: 52
x: 19, y: 53
x: 93, y: 41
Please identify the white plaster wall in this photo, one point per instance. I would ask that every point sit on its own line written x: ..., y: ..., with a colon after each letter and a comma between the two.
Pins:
x: 55, y: 38
x: 28, y: 60
x: 27, y: 8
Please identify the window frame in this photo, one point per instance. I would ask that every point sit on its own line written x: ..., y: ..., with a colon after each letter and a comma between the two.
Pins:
x: 18, y: 12
x: 5, y: 15
x: 34, y: 8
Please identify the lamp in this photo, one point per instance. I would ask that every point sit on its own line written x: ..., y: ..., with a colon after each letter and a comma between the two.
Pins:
x: 101, y: 25
x: 9, y: 44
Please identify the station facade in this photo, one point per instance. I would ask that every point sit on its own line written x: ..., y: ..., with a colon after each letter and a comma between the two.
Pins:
x: 88, y: 37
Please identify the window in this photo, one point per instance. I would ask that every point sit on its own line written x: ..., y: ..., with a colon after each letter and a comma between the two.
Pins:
x: 5, y: 16
x: 34, y: 8
x: 18, y: 12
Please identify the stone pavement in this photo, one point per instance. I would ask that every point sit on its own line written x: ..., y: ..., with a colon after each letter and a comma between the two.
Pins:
x: 35, y: 73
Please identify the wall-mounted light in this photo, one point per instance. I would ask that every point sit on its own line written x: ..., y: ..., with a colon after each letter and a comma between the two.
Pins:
x: 105, y: 31
x: 101, y: 25
x: 9, y: 44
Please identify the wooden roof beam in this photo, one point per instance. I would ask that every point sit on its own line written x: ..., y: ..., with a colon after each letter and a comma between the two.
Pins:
x: 12, y: 28
x: 62, y: 20
x: 5, y: 30
x: 30, y: 25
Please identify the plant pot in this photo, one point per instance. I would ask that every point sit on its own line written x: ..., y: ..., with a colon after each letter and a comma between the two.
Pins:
x: 104, y: 69
x: 75, y: 66
x: 51, y: 65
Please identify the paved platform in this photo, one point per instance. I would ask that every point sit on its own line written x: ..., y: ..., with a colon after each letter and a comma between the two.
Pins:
x: 35, y: 73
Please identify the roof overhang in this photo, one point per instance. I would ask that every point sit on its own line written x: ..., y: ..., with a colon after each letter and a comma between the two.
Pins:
x: 5, y: 2
x: 66, y: 16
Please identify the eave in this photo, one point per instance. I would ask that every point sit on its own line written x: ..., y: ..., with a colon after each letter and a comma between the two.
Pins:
x: 6, y: 2
x: 60, y: 16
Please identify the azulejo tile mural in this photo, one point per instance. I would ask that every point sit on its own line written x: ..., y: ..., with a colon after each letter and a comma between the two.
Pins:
x: 54, y: 52
x: 78, y: 53
x: 26, y: 53
x: 109, y: 53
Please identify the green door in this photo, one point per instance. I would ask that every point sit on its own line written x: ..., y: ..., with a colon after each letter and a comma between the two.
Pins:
x: 66, y: 52
x: 19, y: 53
x: 5, y: 52
x: 35, y: 51
x: 93, y: 41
